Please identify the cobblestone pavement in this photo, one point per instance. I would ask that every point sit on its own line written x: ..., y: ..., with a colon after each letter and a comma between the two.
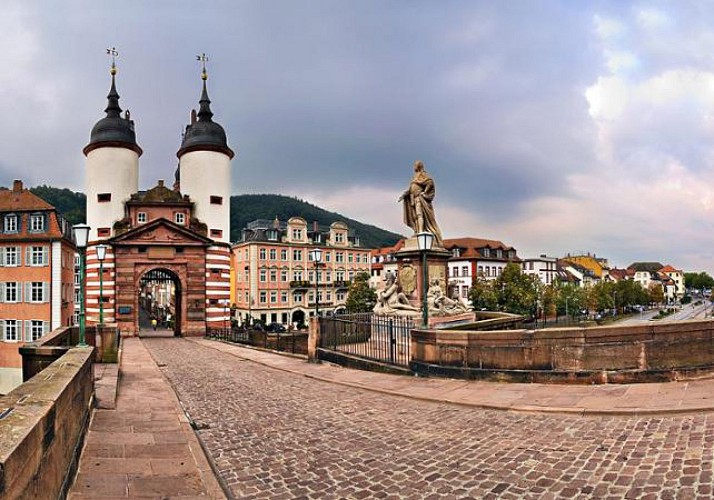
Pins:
x: 277, y: 435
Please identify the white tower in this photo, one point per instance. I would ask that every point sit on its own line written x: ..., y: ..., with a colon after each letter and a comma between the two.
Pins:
x: 112, y: 167
x: 205, y: 169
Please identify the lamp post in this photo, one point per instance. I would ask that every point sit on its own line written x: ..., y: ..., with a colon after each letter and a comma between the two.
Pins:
x: 425, y: 240
x: 225, y: 314
x: 81, y: 235
x: 316, y: 256
x: 101, y: 255
x: 250, y: 296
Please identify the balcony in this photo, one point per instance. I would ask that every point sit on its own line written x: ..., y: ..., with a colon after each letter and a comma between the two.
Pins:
x: 300, y: 284
x: 341, y: 284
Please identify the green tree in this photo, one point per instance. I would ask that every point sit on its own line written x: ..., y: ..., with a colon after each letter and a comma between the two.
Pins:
x: 361, y: 297
x: 630, y: 293
x: 517, y: 292
x: 698, y: 281
x: 569, y: 299
x: 483, y: 295
x: 656, y: 294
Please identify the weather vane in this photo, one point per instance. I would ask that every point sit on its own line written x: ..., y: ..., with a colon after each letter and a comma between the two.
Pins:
x: 203, y: 58
x: 113, y: 52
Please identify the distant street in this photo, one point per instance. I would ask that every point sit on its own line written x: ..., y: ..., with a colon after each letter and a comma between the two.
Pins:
x: 687, y: 311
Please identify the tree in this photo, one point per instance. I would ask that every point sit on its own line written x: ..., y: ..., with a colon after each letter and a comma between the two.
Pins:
x: 656, y: 293
x: 517, y: 292
x: 361, y: 297
x: 698, y: 281
x: 570, y: 299
x: 483, y: 295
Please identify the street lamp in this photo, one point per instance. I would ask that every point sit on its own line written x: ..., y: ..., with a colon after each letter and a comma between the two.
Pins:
x: 81, y: 235
x: 316, y: 256
x: 101, y: 255
x: 425, y: 240
x: 250, y: 296
x: 225, y: 314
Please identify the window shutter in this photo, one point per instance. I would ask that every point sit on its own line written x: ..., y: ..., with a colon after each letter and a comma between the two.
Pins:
x: 46, y: 291
x: 2, y: 256
x: 2, y: 329
x: 45, y: 327
x: 28, y: 255
x: 3, y: 287
x: 28, y: 330
x: 18, y: 289
x: 28, y: 291
x: 46, y: 256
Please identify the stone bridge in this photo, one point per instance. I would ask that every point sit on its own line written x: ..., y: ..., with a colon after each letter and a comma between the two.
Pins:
x: 201, y: 418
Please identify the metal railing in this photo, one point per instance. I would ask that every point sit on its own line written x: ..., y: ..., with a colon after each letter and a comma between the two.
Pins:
x: 292, y: 342
x: 368, y: 336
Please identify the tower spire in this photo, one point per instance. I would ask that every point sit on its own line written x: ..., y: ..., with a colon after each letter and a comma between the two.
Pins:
x: 204, y: 110
x: 113, y: 108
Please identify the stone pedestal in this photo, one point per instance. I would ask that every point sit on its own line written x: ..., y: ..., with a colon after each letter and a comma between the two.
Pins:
x: 409, y: 261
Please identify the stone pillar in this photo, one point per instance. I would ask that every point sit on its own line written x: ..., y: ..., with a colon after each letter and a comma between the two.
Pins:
x: 313, y: 340
x: 411, y: 270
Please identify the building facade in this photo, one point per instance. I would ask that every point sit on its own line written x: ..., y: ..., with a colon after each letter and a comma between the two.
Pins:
x: 275, y: 282
x: 168, y: 251
x: 475, y: 257
x: 543, y: 267
x: 36, y: 276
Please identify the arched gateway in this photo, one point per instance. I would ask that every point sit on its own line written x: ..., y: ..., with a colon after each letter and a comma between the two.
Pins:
x: 160, y: 299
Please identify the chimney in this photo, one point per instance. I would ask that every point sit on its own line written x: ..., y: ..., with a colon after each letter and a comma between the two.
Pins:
x: 161, y: 183
x: 315, y: 226
x: 16, y: 186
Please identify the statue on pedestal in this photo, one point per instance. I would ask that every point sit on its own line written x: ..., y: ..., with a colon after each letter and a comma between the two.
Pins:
x: 440, y: 304
x: 392, y: 302
x: 417, y: 200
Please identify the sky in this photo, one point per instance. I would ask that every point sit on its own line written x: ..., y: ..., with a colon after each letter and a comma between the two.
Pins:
x: 554, y: 126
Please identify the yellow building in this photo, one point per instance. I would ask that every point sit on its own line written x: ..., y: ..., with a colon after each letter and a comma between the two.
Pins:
x: 595, y: 264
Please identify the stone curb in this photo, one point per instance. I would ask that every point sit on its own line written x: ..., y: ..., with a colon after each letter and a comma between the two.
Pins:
x: 574, y: 411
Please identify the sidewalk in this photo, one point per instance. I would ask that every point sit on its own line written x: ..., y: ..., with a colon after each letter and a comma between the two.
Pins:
x: 614, y: 399
x: 145, y: 447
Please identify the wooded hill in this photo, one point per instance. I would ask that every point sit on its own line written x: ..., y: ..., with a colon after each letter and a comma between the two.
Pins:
x: 244, y: 208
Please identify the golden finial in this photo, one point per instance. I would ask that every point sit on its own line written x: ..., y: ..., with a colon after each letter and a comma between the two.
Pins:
x: 203, y: 58
x: 113, y: 52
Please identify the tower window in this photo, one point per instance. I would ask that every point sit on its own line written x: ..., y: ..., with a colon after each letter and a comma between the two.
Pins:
x: 216, y: 233
x: 180, y: 218
x: 216, y: 200
x: 104, y: 197
x: 141, y: 217
x: 104, y: 232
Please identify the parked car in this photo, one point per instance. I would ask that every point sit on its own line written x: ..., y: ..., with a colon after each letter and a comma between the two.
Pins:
x: 275, y: 328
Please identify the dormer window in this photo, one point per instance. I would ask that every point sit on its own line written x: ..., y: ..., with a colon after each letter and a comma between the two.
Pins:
x: 456, y: 252
x: 141, y: 217
x: 272, y: 235
x: 180, y: 218
x: 37, y: 223
x: 339, y: 237
x: 10, y: 224
x: 297, y: 234
x: 486, y: 252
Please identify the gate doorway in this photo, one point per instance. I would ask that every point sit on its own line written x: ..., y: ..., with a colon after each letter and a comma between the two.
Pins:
x: 159, y: 303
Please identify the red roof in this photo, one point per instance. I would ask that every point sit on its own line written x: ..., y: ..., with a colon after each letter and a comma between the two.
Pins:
x: 19, y: 199
x: 669, y: 269
x: 470, y: 246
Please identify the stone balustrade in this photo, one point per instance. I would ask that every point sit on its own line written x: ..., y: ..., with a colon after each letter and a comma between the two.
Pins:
x: 42, y: 425
x: 656, y: 351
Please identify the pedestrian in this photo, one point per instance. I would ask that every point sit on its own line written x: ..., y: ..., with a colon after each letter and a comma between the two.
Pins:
x: 154, y: 323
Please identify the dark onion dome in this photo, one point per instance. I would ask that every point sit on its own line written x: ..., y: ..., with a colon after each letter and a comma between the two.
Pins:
x: 203, y: 134
x: 113, y: 130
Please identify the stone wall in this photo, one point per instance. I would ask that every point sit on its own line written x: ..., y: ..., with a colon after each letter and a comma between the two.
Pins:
x: 42, y: 423
x: 617, y: 354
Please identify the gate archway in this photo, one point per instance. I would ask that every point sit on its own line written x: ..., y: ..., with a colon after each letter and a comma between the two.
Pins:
x: 160, y: 299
